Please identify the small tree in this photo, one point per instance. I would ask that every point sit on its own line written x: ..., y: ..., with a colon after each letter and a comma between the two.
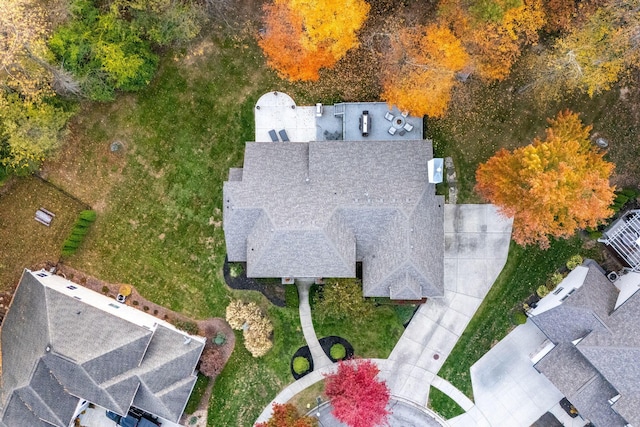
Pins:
x: 286, y: 415
x: 211, y: 361
x: 256, y: 327
x: 342, y: 299
x: 357, y: 397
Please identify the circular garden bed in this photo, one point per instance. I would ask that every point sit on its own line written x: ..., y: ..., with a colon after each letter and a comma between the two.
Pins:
x: 301, y: 362
x: 336, y: 348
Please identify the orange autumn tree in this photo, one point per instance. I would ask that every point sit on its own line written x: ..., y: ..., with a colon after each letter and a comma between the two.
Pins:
x: 493, y: 32
x: 551, y: 187
x: 422, y: 64
x: 303, y: 36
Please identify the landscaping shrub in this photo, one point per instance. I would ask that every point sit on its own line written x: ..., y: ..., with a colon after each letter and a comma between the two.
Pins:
x: 542, y: 291
x: 186, y: 326
x: 300, y: 365
x: 211, y: 361
x: 235, y: 270
x: 338, y: 352
x: 105, y: 289
x: 519, y: 318
x: 574, y: 261
x: 79, y: 230
x: 555, y: 280
x: 219, y: 339
x: 291, y: 298
x: 256, y: 327
x: 342, y: 299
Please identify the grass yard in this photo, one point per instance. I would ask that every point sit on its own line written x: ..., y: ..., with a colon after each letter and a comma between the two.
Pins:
x: 370, y: 339
x: 443, y: 404
x: 26, y: 243
x: 525, y: 270
x: 159, y: 201
x: 482, y: 119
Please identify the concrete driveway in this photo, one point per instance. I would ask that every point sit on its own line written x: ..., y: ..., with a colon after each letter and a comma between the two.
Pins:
x: 506, y: 387
x: 403, y: 414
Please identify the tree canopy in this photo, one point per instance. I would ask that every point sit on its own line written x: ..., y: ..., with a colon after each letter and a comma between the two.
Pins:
x: 422, y: 64
x: 551, y: 187
x: 357, y: 397
x: 303, y: 36
x: 286, y: 415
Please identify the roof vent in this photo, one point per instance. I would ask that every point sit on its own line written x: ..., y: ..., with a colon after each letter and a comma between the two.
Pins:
x: 187, y: 340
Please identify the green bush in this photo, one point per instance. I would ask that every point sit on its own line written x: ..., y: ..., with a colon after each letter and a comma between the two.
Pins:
x: 291, y: 296
x: 235, y: 269
x: 103, y: 50
x: 574, y: 261
x: 300, y: 365
x: 79, y: 230
x: 88, y: 216
x: 542, y: 291
x: 220, y: 338
x: 555, y: 279
x: 186, y: 326
x: 519, y: 318
x: 338, y: 352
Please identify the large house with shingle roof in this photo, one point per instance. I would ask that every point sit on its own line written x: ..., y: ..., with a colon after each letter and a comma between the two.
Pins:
x: 315, y: 206
x: 314, y: 209
x: 65, y: 346
x: 593, y: 327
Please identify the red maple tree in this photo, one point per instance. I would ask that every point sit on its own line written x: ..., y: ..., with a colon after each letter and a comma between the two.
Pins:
x: 357, y: 397
x: 286, y: 415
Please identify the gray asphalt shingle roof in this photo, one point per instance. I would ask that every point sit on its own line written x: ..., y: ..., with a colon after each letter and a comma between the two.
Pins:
x: 605, y: 362
x: 314, y: 209
x: 56, y: 349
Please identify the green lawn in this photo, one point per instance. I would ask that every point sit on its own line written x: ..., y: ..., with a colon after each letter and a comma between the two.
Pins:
x: 525, y: 270
x: 25, y: 242
x: 443, y: 404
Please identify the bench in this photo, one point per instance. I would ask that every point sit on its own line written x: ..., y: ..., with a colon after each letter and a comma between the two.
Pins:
x: 44, y: 216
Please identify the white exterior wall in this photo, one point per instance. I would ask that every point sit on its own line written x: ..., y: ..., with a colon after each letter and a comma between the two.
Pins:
x: 104, y: 303
x: 573, y: 281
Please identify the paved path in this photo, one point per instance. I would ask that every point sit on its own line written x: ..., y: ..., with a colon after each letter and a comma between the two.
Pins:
x: 320, y: 359
x: 476, y: 248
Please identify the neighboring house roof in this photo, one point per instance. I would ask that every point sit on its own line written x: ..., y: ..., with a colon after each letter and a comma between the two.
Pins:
x: 57, y: 349
x: 597, y: 351
x: 314, y: 209
x: 623, y: 235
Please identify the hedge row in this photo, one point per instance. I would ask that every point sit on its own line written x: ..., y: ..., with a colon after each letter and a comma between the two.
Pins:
x: 79, y: 230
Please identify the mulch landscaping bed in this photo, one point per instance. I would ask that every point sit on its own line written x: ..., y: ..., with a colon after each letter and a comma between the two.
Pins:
x: 302, y: 352
x: 328, y: 342
x: 273, y: 292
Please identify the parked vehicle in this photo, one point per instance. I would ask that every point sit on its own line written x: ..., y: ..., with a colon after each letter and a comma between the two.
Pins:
x: 131, y: 420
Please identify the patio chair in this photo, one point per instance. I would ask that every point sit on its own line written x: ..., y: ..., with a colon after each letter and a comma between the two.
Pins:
x: 273, y: 135
x: 284, y: 136
x: 388, y: 116
x: 392, y: 130
x: 404, y: 114
x: 408, y: 127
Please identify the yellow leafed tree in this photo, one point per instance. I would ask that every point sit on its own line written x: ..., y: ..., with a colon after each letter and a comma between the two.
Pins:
x: 551, y: 187
x: 303, y: 36
x: 422, y: 64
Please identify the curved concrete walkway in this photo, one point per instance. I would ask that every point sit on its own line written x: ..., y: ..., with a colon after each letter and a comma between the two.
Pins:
x: 320, y: 359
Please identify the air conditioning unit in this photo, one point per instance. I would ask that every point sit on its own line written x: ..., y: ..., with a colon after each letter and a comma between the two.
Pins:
x: 613, y: 276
